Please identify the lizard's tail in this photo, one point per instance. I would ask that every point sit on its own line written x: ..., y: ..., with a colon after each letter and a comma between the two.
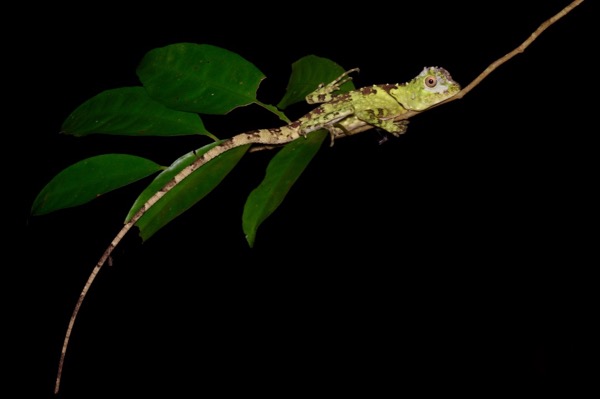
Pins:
x: 265, y: 136
x: 84, y: 291
x: 212, y: 153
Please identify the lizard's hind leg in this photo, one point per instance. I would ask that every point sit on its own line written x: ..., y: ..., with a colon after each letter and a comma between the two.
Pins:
x: 323, y: 92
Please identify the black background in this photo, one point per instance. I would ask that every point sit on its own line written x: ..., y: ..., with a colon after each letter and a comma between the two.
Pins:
x: 454, y: 258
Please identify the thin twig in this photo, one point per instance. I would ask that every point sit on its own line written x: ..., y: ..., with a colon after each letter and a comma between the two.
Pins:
x: 513, y: 53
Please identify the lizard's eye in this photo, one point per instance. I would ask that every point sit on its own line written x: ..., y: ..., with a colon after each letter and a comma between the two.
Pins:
x: 430, y: 81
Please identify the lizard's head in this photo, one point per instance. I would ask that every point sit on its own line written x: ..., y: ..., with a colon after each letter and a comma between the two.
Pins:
x: 430, y: 87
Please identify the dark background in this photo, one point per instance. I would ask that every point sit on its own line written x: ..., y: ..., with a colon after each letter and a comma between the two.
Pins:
x: 454, y: 258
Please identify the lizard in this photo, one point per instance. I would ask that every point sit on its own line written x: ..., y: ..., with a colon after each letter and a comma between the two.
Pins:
x: 385, y: 106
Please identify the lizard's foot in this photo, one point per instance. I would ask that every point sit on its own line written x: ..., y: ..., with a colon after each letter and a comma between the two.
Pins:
x: 383, y: 136
x: 333, y: 133
x: 400, y: 127
x: 343, y: 78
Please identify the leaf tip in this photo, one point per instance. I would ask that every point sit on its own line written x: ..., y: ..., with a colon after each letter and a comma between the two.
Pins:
x: 250, y: 240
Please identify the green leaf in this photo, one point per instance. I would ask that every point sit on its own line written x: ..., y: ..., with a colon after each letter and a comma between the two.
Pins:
x: 90, y: 178
x: 307, y: 74
x: 199, y: 78
x: 185, y: 194
x: 282, y: 172
x: 129, y: 111
x: 274, y: 110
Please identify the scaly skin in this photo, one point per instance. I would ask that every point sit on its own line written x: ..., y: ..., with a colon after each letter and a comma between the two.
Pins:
x: 386, y: 106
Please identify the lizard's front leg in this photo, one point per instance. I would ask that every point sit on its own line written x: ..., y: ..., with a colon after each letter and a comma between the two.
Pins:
x: 372, y: 117
x: 323, y: 93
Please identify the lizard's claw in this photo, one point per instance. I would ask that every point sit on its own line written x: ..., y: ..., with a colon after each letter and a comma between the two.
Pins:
x: 343, y: 78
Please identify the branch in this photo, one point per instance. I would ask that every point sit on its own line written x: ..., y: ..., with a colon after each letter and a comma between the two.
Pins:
x: 492, y: 67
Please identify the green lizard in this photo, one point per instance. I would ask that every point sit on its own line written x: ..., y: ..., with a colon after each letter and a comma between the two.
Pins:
x: 386, y: 106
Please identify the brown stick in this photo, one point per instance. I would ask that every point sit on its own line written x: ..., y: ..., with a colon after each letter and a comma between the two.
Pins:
x: 494, y: 65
